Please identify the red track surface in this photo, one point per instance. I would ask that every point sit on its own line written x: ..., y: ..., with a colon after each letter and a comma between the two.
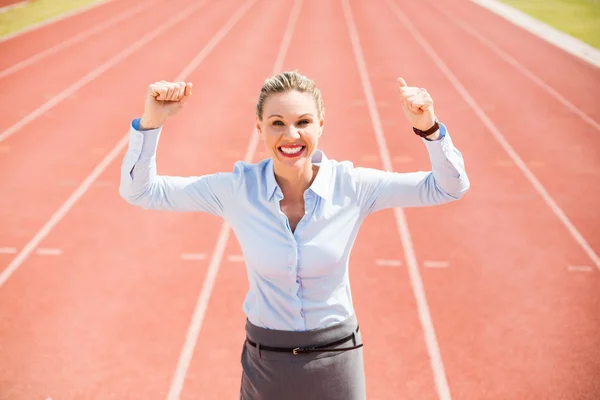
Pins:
x: 4, y: 3
x: 108, y: 317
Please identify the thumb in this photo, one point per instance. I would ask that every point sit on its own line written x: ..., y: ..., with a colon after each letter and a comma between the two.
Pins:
x: 402, y: 82
x: 186, y: 93
x: 188, y: 89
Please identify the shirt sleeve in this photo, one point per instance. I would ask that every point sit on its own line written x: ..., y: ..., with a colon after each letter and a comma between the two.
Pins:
x: 447, y: 181
x: 141, y: 186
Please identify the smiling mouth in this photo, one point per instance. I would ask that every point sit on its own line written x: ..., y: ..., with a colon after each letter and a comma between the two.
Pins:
x: 291, y: 151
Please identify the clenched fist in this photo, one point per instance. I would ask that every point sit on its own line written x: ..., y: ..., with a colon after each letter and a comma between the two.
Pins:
x: 418, y: 107
x: 163, y: 100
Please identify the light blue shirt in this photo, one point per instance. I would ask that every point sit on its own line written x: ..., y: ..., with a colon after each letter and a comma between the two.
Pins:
x: 298, y: 280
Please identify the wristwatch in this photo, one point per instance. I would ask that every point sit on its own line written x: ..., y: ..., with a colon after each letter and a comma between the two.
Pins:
x: 429, y: 131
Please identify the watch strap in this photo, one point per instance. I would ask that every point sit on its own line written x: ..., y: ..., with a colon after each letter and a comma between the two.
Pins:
x: 429, y: 131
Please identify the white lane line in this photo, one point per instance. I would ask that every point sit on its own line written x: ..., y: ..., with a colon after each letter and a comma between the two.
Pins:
x: 193, y: 256
x: 53, y: 20
x: 388, y: 263
x: 560, y: 214
x: 235, y: 258
x: 579, y: 268
x: 433, y: 349
x: 8, y: 250
x: 48, y: 252
x: 436, y: 264
x: 75, y: 39
x: 93, y: 176
x: 552, y: 35
x: 201, y: 305
x: 520, y: 67
x: 105, y: 66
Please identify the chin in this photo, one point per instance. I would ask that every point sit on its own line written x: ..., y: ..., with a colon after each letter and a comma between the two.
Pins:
x: 294, y: 164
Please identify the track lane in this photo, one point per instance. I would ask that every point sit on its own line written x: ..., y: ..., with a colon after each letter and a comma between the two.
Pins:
x: 496, y: 291
x: 395, y: 357
x: 88, y: 138
x: 26, y: 44
x: 570, y: 76
x: 121, y: 336
x: 80, y: 37
x: 32, y: 87
x: 506, y: 306
x: 556, y: 145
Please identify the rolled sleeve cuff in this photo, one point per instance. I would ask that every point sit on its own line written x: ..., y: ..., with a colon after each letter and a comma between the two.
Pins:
x: 142, y: 144
x: 441, y: 148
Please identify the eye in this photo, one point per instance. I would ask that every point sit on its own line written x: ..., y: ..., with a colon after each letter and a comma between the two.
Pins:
x: 278, y: 122
x: 304, y: 121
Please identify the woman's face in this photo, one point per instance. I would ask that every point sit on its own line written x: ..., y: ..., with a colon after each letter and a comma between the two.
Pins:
x: 290, y: 128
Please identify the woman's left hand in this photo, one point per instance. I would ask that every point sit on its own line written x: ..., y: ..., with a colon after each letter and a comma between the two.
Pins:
x: 417, y: 105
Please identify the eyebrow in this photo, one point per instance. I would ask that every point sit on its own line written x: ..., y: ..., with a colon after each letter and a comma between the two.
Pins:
x: 303, y: 115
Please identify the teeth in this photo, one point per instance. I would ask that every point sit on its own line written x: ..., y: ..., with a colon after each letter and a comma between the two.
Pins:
x: 291, y: 150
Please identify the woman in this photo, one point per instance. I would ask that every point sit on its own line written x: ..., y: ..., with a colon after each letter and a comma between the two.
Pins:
x: 295, y: 215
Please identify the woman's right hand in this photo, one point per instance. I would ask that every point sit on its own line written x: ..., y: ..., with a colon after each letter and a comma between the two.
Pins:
x: 163, y: 100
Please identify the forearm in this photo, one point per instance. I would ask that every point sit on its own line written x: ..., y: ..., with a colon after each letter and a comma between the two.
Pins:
x: 138, y: 169
x: 447, y: 164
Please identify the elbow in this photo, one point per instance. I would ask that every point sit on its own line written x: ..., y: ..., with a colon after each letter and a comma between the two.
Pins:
x: 125, y: 193
x: 448, y: 191
x: 463, y: 187
x: 132, y: 197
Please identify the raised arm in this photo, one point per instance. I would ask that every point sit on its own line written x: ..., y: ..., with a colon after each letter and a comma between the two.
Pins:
x: 447, y: 180
x: 141, y: 186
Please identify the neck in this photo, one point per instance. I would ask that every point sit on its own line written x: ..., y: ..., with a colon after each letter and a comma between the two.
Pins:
x: 294, y: 182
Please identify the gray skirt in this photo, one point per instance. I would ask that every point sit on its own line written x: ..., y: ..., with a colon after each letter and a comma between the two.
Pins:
x: 269, y: 375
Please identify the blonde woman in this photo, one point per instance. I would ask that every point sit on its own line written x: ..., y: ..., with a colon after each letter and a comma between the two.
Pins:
x: 296, y: 215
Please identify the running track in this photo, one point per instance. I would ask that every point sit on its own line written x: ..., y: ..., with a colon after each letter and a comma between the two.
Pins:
x: 492, y: 297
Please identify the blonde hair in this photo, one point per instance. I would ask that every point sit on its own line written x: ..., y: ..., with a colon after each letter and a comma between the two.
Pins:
x: 286, y: 82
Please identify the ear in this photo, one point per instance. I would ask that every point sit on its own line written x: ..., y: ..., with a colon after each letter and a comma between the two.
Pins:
x: 258, y: 128
x: 321, y: 126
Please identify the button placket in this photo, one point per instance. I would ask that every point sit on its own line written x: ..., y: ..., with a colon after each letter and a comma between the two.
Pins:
x: 308, y: 204
x: 292, y: 255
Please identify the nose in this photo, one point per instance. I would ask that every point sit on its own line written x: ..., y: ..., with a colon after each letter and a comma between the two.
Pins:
x: 292, y: 132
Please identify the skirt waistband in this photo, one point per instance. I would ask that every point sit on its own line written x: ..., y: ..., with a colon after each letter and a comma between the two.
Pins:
x: 315, y: 337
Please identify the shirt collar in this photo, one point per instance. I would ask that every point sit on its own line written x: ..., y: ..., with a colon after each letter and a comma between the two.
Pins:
x: 321, y: 186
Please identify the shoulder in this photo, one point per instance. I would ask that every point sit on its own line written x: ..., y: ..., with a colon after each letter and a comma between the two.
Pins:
x: 342, y: 174
x: 354, y: 177
x: 345, y: 170
x: 342, y: 169
x: 244, y: 169
x: 251, y: 177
